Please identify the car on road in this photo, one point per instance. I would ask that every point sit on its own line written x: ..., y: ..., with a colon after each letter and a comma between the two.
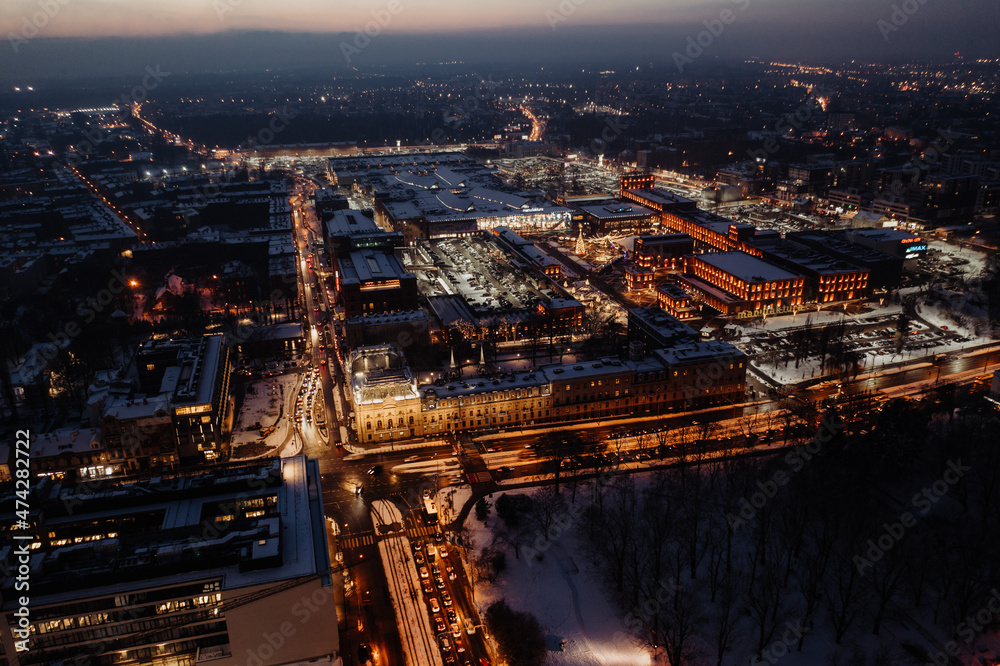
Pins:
x: 364, y: 653
x: 428, y: 588
x: 375, y: 471
x: 446, y: 599
x: 443, y: 551
x: 439, y: 625
x: 411, y: 459
x: 451, y: 573
x: 439, y: 582
x: 444, y: 642
x: 436, y: 570
x: 505, y: 469
x: 424, y: 573
x: 452, y: 617
x: 418, y: 558
x: 438, y: 536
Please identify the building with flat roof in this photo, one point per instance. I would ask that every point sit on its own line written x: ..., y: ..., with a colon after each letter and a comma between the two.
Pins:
x: 444, y: 195
x: 710, y: 231
x: 609, y: 216
x: 884, y: 270
x: 347, y: 231
x: 528, y: 251
x: 829, y: 278
x: 676, y: 302
x: 328, y: 202
x: 183, y: 385
x: 371, y: 282
x: 693, y: 373
x: 659, y: 200
x: 764, y: 286
x: 177, y: 568
x: 663, y: 250
x: 638, y: 277
x: 891, y: 241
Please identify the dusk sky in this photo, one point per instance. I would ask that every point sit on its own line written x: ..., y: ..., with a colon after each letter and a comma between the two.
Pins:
x: 92, y: 37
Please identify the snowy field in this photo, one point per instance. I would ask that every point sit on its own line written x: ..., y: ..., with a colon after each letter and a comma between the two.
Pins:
x: 567, y: 601
x: 263, y: 406
x: 583, y: 627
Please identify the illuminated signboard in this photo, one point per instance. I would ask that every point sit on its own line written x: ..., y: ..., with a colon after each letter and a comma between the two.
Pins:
x: 193, y: 409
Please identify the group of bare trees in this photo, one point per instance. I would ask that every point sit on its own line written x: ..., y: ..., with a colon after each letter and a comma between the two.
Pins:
x: 708, y: 560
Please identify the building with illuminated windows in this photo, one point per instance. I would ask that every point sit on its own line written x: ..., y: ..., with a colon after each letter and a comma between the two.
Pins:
x: 191, y: 377
x: 373, y: 282
x: 171, y: 407
x: 891, y: 241
x: 828, y: 278
x: 672, y: 370
x: 676, y: 302
x: 228, y: 566
x: 762, y: 286
x: 662, y: 251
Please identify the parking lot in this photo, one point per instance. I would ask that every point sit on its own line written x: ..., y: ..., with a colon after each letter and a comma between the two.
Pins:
x: 488, y: 279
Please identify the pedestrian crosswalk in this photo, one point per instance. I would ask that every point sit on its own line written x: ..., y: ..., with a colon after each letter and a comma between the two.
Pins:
x: 356, y: 541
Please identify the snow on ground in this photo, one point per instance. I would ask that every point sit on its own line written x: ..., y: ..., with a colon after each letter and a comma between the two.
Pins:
x: 450, y: 500
x: 263, y: 406
x: 567, y: 601
x: 412, y: 618
x: 975, y: 258
x: 571, y: 605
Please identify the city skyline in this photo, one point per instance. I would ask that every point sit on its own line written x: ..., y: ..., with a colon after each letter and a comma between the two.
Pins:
x: 88, y: 38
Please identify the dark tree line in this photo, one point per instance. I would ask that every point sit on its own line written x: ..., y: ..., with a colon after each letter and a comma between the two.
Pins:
x: 855, y: 534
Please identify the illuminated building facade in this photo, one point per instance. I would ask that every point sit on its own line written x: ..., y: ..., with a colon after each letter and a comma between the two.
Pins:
x: 762, y: 285
x: 372, y: 282
x: 182, y: 568
x: 183, y: 382
x: 679, y: 372
x: 676, y: 302
x: 663, y: 251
